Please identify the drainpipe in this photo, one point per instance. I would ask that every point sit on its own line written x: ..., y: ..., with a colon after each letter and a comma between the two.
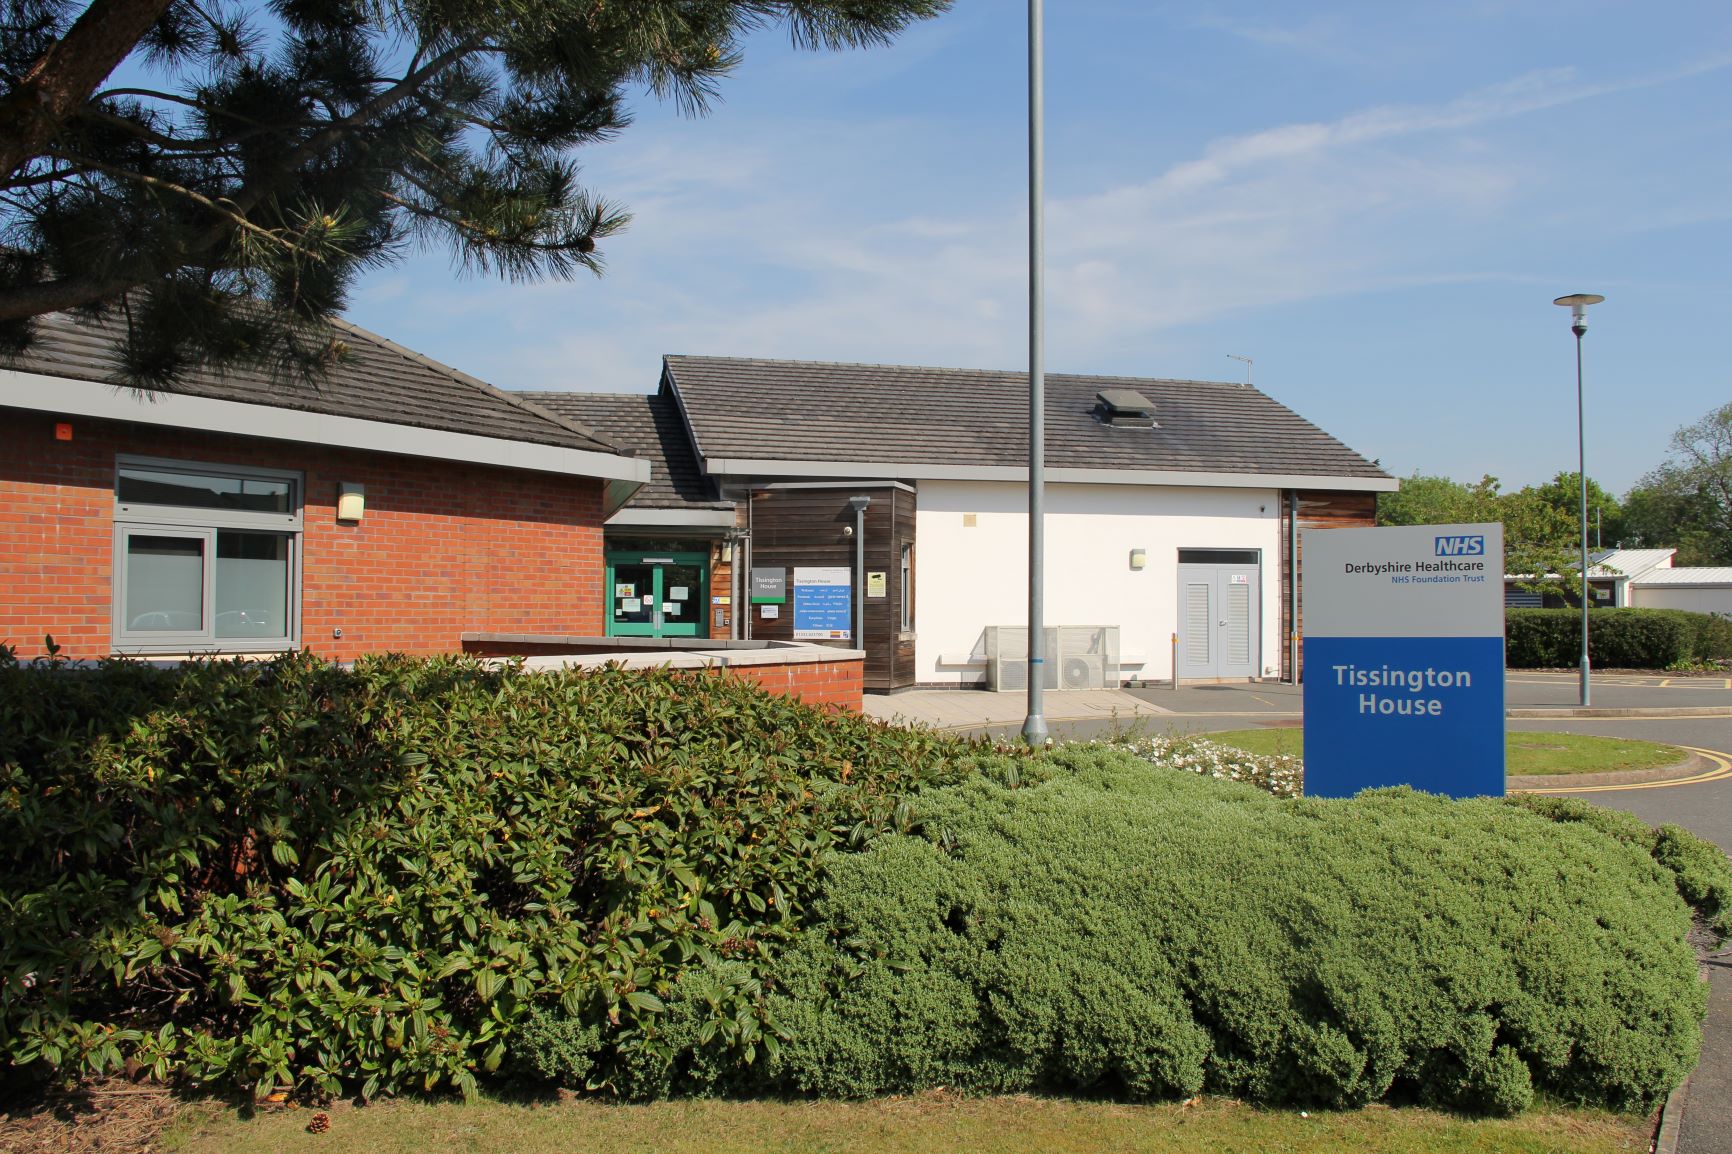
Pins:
x: 1293, y: 585
x: 746, y: 633
x: 859, y: 506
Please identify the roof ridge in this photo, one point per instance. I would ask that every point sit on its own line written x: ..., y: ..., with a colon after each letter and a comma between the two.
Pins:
x: 956, y: 369
x: 476, y: 383
x: 577, y: 393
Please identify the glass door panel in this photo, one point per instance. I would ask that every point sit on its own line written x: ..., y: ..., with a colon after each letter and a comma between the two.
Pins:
x: 632, y: 600
x: 682, y: 605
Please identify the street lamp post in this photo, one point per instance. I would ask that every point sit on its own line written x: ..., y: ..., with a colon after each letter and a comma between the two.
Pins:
x: 1578, y: 304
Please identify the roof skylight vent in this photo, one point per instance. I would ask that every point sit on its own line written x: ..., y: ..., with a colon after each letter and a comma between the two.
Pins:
x: 1125, y: 407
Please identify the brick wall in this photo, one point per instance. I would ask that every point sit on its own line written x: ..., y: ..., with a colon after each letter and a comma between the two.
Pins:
x: 443, y: 548
x: 834, y: 683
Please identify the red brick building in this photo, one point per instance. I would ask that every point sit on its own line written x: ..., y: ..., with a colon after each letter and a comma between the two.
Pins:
x: 392, y: 506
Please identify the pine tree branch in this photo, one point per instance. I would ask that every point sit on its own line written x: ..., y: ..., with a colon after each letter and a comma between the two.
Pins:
x: 221, y: 208
x: 23, y: 301
x: 68, y: 72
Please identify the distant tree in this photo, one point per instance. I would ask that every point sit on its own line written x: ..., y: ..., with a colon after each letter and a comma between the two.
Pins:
x: 1605, y: 512
x: 1428, y: 500
x: 1687, y: 502
x: 269, y: 152
x: 1538, y: 538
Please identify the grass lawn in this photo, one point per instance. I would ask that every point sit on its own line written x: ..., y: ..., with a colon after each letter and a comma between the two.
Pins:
x: 1526, y: 754
x: 925, y: 1125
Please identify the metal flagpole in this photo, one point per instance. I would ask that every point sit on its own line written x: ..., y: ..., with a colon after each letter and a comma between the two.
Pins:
x: 1034, y: 725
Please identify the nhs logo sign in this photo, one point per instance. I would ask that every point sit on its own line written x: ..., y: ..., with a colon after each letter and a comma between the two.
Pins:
x: 1458, y: 546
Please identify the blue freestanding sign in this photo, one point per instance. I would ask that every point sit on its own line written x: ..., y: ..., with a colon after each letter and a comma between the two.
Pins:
x: 1404, y: 659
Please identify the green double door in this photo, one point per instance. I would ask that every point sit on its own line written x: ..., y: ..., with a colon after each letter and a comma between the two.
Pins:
x: 657, y: 594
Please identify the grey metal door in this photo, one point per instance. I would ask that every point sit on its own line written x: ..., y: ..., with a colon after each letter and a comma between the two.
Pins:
x: 1219, y: 620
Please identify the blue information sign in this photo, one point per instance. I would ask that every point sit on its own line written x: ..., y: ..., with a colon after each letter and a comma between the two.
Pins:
x: 823, y: 604
x: 1404, y: 659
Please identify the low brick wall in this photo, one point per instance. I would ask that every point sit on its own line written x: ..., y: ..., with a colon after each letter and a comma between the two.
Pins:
x: 814, y: 674
x: 836, y: 683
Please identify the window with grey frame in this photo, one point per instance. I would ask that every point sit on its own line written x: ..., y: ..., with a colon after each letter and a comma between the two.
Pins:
x: 206, y: 557
x: 905, y: 587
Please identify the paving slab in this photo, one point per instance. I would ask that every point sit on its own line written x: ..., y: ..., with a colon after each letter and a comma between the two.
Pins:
x: 1707, y: 1122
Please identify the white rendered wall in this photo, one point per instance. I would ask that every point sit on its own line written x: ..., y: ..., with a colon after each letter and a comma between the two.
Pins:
x: 967, y: 578
x: 1699, y: 599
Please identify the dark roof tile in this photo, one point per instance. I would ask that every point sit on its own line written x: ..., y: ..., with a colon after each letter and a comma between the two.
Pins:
x: 894, y: 414
x: 651, y: 427
x: 375, y: 380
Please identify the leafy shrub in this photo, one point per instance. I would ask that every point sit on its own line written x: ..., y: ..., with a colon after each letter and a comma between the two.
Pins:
x: 1617, y: 638
x: 1710, y: 633
x: 367, y: 878
x: 1124, y: 929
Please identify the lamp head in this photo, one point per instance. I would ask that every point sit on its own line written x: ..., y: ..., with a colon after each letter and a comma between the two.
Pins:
x: 1578, y: 304
x: 858, y: 504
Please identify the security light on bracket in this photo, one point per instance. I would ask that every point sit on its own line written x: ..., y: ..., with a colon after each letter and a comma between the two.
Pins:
x: 351, y: 501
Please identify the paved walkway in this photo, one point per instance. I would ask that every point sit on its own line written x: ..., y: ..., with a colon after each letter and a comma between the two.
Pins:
x: 978, y: 709
x: 1707, y: 1121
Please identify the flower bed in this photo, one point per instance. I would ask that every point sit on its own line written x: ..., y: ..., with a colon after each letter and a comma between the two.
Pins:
x: 1279, y: 774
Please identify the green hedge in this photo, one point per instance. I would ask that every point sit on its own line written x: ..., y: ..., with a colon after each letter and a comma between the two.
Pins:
x: 418, y: 874
x: 1710, y: 633
x: 1147, y: 933
x: 365, y: 879
x: 1617, y: 638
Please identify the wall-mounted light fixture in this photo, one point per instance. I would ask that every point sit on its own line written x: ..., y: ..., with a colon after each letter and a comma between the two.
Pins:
x: 351, y: 501
x: 1139, y: 559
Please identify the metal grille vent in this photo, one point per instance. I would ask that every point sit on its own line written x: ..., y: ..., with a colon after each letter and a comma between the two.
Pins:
x: 1077, y: 657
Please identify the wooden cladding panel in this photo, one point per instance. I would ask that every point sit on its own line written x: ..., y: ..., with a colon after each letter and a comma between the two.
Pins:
x: 1317, y: 510
x: 794, y: 528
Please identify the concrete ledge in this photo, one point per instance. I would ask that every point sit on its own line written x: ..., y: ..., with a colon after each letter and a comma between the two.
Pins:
x: 786, y: 653
x: 505, y: 644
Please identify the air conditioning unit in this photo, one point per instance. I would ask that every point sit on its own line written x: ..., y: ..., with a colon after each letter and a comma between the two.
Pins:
x: 1007, y: 658
x: 1084, y: 671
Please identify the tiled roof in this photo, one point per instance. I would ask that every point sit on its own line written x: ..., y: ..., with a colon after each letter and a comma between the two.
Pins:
x: 890, y: 414
x: 376, y: 380
x: 1693, y: 575
x: 651, y: 427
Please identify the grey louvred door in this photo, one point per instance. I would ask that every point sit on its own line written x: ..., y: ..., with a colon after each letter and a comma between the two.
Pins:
x: 1219, y: 620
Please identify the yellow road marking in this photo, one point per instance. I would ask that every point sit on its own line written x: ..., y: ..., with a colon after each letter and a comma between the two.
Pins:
x: 1722, y: 771
x: 1626, y: 681
x: 1620, y: 720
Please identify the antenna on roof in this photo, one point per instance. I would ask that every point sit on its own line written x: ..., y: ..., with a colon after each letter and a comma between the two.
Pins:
x: 1247, y: 360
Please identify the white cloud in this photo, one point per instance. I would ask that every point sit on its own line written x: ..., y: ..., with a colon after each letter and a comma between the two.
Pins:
x: 792, y: 240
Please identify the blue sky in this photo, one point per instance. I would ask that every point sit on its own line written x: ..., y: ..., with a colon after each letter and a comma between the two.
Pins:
x: 1377, y: 202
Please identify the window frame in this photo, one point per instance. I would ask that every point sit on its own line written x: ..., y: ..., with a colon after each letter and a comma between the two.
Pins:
x: 135, y: 518
x: 905, y: 581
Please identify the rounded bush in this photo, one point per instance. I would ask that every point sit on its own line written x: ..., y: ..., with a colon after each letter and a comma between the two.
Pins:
x: 1130, y: 930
